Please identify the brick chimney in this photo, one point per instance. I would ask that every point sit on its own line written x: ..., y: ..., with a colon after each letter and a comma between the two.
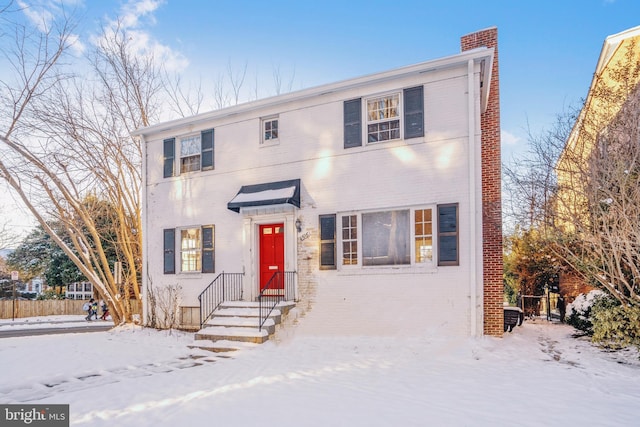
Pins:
x: 491, y: 188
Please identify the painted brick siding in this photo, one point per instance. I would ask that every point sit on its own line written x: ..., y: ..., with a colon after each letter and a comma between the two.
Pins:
x: 491, y: 189
x: 420, y: 172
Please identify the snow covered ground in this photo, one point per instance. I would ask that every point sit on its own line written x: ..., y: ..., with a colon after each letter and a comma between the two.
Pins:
x: 129, y: 376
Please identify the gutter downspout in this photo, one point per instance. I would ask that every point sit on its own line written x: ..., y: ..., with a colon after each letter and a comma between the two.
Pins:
x: 471, y: 92
x: 145, y: 228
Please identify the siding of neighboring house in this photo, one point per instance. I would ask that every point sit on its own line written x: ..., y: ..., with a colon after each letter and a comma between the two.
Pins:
x: 613, y: 94
x: 440, y: 172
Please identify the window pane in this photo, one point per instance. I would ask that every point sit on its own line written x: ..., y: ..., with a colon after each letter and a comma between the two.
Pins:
x: 190, y: 164
x: 423, y: 236
x: 270, y: 129
x: 424, y: 249
x: 349, y: 242
x: 190, y: 249
x: 190, y: 146
x: 385, y: 238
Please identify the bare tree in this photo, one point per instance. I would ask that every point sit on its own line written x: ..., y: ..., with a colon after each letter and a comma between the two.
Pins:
x: 583, y: 188
x: 69, y: 154
x: 184, y: 102
x: 220, y: 95
x: 278, y: 80
x: 236, y: 78
x: 598, y: 205
x: 530, y: 181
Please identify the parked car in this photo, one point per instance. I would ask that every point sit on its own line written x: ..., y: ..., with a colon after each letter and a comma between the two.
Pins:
x: 513, y: 316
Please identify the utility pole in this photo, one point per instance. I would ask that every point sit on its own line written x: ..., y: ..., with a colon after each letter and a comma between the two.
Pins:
x: 14, y: 279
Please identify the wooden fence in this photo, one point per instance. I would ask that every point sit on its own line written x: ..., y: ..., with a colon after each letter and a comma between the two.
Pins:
x: 29, y: 308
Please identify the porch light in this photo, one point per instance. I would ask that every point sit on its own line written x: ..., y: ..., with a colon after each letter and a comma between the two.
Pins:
x: 298, y: 225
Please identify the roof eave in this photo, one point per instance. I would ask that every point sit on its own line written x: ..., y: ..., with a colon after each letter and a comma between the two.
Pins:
x: 479, y: 55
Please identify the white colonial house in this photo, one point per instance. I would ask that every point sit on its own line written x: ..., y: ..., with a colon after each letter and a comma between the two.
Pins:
x: 373, y: 203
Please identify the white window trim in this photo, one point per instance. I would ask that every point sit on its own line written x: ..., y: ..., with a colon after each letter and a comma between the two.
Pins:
x: 426, y: 266
x: 365, y: 116
x: 273, y: 141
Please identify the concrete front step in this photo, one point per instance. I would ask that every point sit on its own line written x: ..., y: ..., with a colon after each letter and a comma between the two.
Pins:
x: 216, y: 333
x: 240, y: 322
x: 251, y: 313
x: 222, y: 346
x: 283, y: 306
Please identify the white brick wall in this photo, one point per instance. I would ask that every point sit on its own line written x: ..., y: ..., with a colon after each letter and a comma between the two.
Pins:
x: 417, y: 172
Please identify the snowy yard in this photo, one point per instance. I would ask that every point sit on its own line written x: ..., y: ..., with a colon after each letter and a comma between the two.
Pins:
x: 537, y: 375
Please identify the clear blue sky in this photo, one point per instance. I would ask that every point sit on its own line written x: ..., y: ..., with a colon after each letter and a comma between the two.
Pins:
x: 548, y: 49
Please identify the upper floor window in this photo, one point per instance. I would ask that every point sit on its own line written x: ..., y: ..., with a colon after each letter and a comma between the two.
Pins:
x: 383, y: 118
x: 269, y: 130
x: 190, y: 154
x: 388, y: 117
x: 195, y: 152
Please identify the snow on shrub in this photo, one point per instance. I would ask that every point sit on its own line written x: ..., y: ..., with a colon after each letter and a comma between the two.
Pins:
x: 609, y: 323
x: 579, y: 311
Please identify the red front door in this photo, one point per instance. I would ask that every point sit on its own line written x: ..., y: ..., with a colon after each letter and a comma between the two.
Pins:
x: 271, y: 253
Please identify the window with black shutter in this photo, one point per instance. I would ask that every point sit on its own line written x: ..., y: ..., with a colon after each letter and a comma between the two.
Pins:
x: 207, y: 149
x: 169, y: 251
x: 208, y: 264
x: 353, y: 123
x: 414, y: 112
x: 169, y: 157
x: 327, y: 242
x: 448, y: 235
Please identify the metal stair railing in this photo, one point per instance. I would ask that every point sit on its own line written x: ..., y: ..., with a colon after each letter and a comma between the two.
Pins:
x: 280, y: 287
x: 225, y: 287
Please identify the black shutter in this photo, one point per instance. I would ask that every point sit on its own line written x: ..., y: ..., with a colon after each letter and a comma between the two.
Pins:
x: 353, y: 123
x: 206, y: 141
x: 208, y: 265
x: 414, y: 112
x: 327, y: 242
x: 169, y: 156
x: 169, y: 251
x: 448, y: 234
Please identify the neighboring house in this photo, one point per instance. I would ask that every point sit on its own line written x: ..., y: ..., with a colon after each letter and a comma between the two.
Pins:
x: 613, y: 96
x: 380, y: 194
x: 35, y: 285
x: 79, y: 290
